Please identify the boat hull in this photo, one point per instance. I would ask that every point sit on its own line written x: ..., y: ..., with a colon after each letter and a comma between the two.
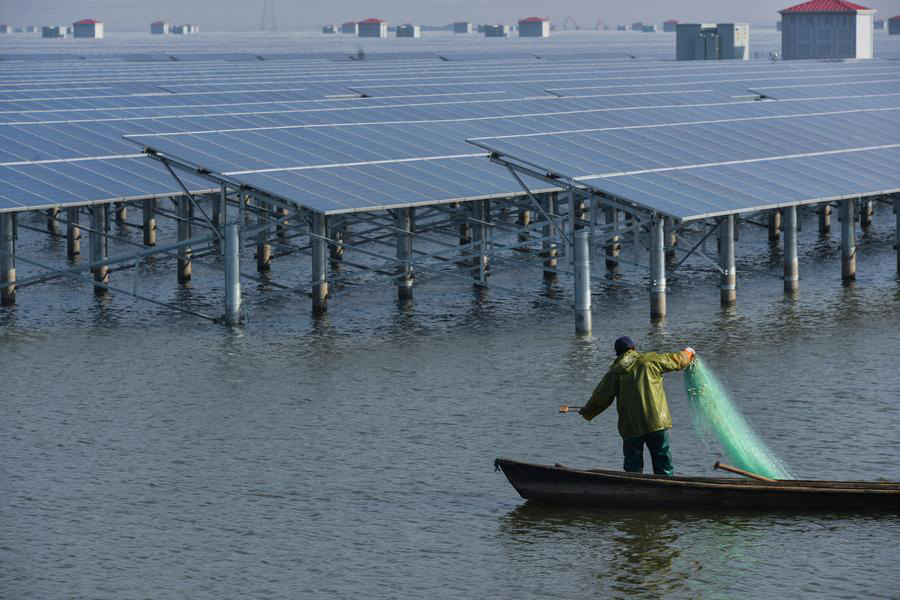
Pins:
x: 613, y: 489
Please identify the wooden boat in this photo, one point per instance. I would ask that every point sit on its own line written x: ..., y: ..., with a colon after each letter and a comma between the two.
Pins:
x: 615, y: 489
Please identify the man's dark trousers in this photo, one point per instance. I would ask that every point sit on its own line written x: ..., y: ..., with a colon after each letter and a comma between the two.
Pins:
x: 658, y: 444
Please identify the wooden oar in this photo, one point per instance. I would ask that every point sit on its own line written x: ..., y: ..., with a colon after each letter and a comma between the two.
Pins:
x: 566, y: 408
x: 725, y: 467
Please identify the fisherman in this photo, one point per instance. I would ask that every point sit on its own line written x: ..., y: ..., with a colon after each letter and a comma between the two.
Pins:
x: 635, y: 381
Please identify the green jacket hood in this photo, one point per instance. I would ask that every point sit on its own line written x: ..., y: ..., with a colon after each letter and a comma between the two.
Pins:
x: 625, y: 362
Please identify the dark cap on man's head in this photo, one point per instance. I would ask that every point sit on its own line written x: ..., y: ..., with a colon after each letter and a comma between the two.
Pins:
x: 623, y: 345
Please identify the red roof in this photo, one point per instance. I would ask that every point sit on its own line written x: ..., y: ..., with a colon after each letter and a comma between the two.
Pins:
x: 370, y: 21
x: 825, y: 6
x: 671, y: 22
x: 533, y: 20
x: 88, y: 22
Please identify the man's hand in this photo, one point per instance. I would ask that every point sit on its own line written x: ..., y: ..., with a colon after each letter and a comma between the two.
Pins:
x: 690, y: 352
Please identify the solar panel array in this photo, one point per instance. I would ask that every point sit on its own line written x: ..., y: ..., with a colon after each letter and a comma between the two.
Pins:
x: 356, y: 136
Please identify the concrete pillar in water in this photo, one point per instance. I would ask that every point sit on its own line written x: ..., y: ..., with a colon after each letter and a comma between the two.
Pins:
x: 865, y: 212
x: 670, y: 238
x: 282, y: 228
x: 403, y: 222
x: 148, y: 210
x: 7, y: 259
x: 232, y: 275
x: 52, y: 223
x: 657, y: 269
x: 523, y: 221
x: 263, y: 248
x: 611, y: 216
x: 848, y: 242
x: 336, y: 232
x: 582, y: 281
x: 774, y: 224
x: 548, y: 248
x: 185, y: 213
x: 218, y: 207
x: 824, y: 218
x: 728, y: 276
x: 791, y: 262
x: 99, y: 246
x: 319, y: 265
x: 465, y: 230
x: 73, y: 233
x: 737, y: 228
x: 121, y: 213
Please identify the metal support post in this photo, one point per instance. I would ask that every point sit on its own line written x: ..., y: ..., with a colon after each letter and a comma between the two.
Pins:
x: 737, y: 228
x: 232, y: 275
x: 524, y: 221
x: 185, y: 213
x: 582, y: 282
x: 121, y: 213
x: 7, y: 259
x: 263, y: 248
x: 657, y: 269
x: 612, y: 249
x: 148, y: 208
x: 218, y: 207
x: 465, y: 231
x: 548, y: 248
x: 824, y: 218
x: 99, y: 246
x: 670, y: 238
x: 480, y: 234
x: 791, y: 263
x: 52, y: 223
x: 403, y: 222
x: 774, y: 224
x: 73, y: 232
x: 848, y: 242
x: 319, y: 265
x: 728, y: 276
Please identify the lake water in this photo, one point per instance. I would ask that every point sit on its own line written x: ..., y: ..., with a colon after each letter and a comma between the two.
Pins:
x: 147, y: 454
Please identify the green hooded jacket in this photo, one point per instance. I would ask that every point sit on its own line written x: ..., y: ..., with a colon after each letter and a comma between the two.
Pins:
x: 635, y: 381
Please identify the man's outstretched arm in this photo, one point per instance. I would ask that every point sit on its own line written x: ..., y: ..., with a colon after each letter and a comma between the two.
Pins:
x: 602, y: 398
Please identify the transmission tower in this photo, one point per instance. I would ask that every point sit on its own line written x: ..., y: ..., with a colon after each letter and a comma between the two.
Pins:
x: 268, y: 17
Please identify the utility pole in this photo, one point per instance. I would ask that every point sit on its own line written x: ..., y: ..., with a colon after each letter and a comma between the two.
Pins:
x: 268, y: 22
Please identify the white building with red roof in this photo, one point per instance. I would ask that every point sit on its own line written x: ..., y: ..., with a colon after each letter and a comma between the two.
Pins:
x: 827, y: 29
x: 87, y: 28
x: 534, y: 27
x: 375, y: 28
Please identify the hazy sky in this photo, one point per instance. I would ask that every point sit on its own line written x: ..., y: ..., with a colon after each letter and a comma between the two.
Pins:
x: 305, y: 14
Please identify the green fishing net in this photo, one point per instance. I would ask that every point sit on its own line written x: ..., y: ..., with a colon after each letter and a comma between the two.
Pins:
x: 717, y: 418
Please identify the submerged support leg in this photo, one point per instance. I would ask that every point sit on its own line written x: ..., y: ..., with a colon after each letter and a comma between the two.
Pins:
x: 480, y: 235
x: 524, y: 221
x: 582, y: 282
x: 218, y: 207
x: 865, y: 212
x: 319, y: 265
x: 824, y: 218
x: 465, y: 230
x: 548, y: 247
x: 336, y: 229
x: 403, y: 222
x: 728, y: 276
x: 185, y: 213
x: 848, y: 242
x: 148, y: 208
x: 657, y: 269
x: 774, y: 224
x: 73, y: 233
x: 612, y: 249
x: 7, y: 259
x: 52, y: 223
x: 897, y: 231
x: 99, y: 246
x: 121, y: 213
x: 232, y: 275
x: 791, y: 262
x: 670, y: 238
x: 282, y: 229
x: 263, y: 248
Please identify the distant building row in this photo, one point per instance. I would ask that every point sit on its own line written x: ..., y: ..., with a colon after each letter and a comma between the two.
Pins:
x: 378, y: 28
x: 164, y: 28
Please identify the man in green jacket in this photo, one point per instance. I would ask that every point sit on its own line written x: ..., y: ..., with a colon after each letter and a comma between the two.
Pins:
x: 635, y: 381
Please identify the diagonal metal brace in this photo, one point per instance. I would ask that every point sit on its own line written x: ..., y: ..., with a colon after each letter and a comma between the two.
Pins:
x: 193, y: 202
